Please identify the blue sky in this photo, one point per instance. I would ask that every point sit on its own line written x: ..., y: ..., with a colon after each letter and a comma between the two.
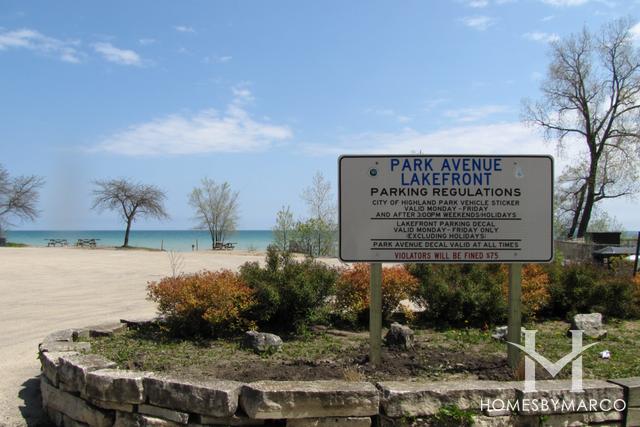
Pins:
x: 265, y: 93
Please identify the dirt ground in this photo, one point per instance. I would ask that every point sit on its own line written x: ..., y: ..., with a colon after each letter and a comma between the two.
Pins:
x: 330, y: 354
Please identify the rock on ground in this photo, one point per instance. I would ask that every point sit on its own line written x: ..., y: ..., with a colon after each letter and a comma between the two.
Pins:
x: 590, y: 324
x: 399, y: 336
x: 262, y: 342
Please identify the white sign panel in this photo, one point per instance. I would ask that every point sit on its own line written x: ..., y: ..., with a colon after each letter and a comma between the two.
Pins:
x: 453, y: 208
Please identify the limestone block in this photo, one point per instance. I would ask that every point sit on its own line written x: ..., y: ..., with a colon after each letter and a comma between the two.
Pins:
x: 632, y: 389
x: 73, y: 406
x: 560, y: 391
x: 116, y: 385
x: 633, y: 417
x: 330, y: 422
x: 123, y: 407
x: 414, y: 399
x: 207, y: 397
x: 60, y: 346
x: 63, y: 335
x: 167, y: 414
x: 50, y: 362
x: 74, y: 368
x: 101, y: 330
x: 70, y: 422
x: 309, y: 399
x: 238, y: 419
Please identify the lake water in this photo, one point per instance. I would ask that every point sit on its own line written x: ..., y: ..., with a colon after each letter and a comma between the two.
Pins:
x: 177, y: 240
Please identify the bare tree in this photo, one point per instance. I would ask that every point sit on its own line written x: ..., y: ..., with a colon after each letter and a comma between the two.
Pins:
x: 617, y: 176
x: 216, y: 209
x: 130, y: 199
x: 18, y: 197
x: 284, y: 228
x: 320, y: 199
x: 591, y: 97
x: 176, y: 263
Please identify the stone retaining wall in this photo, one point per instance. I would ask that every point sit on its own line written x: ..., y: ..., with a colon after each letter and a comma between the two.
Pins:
x: 80, y: 389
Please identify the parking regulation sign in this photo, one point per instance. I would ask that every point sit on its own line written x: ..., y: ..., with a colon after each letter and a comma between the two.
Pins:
x: 446, y: 208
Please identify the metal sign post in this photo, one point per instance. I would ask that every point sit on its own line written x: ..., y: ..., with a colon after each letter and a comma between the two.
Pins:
x: 635, y: 264
x: 515, y: 314
x: 375, y: 314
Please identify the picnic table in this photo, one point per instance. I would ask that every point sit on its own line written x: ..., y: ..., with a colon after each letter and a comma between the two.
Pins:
x: 91, y: 243
x: 220, y: 246
x: 56, y: 242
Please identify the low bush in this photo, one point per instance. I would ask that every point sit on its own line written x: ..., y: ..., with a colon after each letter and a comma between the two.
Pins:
x: 588, y: 287
x: 535, y: 289
x: 461, y: 294
x: 352, y: 292
x: 208, y: 303
x: 290, y: 294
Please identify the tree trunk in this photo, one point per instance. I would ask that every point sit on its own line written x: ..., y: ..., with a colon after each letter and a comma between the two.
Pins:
x: 576, y: 214
x: 590, y: 197
x: 126, y: 233
x: 213, y: 239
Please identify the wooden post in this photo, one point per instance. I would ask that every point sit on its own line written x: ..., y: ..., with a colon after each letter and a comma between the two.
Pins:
x: 162, y: 245
x: 375, y: 314
x: 515, y: 314
x: 635, y: 263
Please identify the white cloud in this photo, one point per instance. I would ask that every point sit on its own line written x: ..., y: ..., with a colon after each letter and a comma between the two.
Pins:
x: 547, y: 18
x: 204, y: 132
x: 116, y: 55
x: 538, y: 36
x: 146, y: 41
x: 503, y: 138
x: 480, y: 22
x: 565, y: 3
x: 474, y: 114
x: 635, y: 32
x: 184, y: 29
x: 33, y: 40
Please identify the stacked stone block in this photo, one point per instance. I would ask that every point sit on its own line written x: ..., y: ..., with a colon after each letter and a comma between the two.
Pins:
x: 80, y: 389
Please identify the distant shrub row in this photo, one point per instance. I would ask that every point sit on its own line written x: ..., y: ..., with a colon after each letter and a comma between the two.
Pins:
x: 288, y: 295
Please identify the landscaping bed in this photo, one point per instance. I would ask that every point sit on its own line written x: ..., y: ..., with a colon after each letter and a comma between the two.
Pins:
x: 333, y: 354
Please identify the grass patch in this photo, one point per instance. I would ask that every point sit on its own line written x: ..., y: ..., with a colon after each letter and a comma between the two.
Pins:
x: 16, y: 245
x: 448, y: 354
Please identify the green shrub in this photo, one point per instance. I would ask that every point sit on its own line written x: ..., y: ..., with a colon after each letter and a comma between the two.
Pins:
x: 208, y: 303
x: 290, y: 294
x: 461, y: 294
x: 588, y: 287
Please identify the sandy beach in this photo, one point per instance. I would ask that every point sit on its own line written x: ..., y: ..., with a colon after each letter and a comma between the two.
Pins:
x: 46, y: 289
